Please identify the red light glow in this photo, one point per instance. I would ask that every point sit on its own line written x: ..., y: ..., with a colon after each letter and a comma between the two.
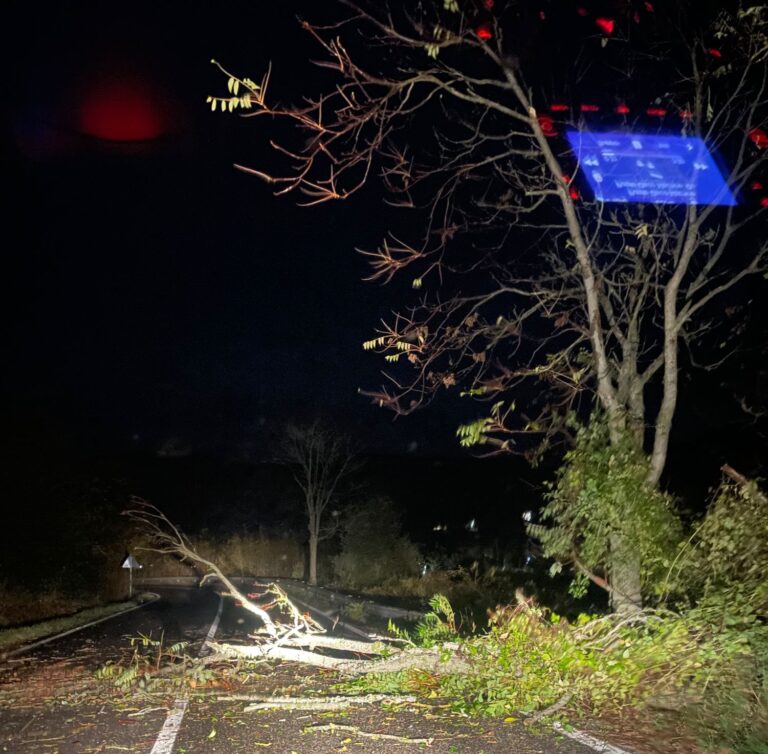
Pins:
x: 764, y: 201
x: 559, y: 107
x: 756, y: 186
x: 605, y: 25
x: 589, y: 108
x: 685, y: 114
x: 484, y: 32
x: 123, y: 111
x: 759, y: 138
x: 622, y: 109
x: 715, y: 53
x: 574, y: 193
x: 547, y: 126
x: 656, y: 112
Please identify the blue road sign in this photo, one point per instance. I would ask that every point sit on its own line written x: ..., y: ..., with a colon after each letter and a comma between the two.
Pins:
x: 649, y: 169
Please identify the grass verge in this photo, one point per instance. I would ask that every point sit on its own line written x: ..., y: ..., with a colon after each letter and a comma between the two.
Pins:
x: 11, y: 638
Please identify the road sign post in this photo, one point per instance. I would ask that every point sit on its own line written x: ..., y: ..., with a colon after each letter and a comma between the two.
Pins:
x: 131, y: 563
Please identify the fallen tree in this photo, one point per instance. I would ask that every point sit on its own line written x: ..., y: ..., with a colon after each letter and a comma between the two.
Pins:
x: 287, y: 634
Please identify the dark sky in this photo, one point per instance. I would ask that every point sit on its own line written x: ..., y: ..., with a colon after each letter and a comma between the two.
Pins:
x: 156, y: 295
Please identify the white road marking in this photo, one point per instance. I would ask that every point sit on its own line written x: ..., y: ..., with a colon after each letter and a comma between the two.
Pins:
x: 594, y: 743
x: 48, y: 639
x: 172, y: 725
x: 214, y: 626
x: 167, y: 737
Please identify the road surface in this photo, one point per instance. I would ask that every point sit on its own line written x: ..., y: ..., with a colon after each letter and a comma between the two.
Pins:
x: 51, y: 703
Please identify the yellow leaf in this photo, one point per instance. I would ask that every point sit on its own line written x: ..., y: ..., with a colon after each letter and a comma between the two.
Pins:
x: 510, y: 719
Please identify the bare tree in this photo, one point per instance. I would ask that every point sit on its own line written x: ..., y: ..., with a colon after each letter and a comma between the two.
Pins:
x: 321, y: 461
x: 525, y: 291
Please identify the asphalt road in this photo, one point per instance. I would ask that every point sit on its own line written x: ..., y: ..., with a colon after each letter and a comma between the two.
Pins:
x: 51, y: 703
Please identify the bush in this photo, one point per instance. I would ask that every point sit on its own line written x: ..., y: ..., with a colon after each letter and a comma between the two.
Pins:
x: 373, y: 549
x: 726, y: 557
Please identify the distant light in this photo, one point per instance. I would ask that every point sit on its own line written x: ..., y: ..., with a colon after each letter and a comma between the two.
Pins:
x: 759, y: 138
x: 484, y: 32
x: 547, y: 126
x: 559, y: 107
x: 471, y: 525
x: 589, y: 108
x: 686, y: 114
x: 656, y: 112
x: 645, y: 168
x: 528, y: 516
x: 756, y: 186
x: 121, y: 111
x: 622, y: 109
x: 605, y: 25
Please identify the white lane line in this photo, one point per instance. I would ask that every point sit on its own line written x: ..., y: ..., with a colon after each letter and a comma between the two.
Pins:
x: 214, y: 627
x: 585, y: 739
x: 172, y: 725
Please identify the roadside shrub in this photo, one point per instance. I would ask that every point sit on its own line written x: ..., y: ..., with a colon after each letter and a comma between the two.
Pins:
x: 726, y: 557
x: 373, y: 549
x: 708, y: 665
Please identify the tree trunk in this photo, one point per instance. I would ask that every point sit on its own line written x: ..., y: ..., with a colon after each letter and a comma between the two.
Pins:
x: 313, y: 540
x: 626, y: 594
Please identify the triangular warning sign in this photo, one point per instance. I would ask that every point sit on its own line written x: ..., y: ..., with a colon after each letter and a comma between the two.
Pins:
x: 130, y: 562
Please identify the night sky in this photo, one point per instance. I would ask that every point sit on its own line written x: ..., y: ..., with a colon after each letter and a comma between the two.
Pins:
x: 156, y: 297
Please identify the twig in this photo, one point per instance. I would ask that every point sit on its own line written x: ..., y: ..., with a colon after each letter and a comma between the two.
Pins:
x: 556, y: 707
x: 329, y: 703
x: 146, y: 711
x: 333, y: 727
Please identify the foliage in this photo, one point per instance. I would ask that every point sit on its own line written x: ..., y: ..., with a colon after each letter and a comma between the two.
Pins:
x: 373, y: 548
x: 602, y: 490
x: 145, y: 667
x: 726, y: 557
x: 533, y: 661
x: 437, y: 625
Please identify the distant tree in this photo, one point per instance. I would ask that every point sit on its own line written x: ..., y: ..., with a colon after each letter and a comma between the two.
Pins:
x: 525, y: 290
x: 321, y: 461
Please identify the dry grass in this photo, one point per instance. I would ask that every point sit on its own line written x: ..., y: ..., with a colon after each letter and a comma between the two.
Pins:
x: 239, y: 555
x: 17, y: 635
